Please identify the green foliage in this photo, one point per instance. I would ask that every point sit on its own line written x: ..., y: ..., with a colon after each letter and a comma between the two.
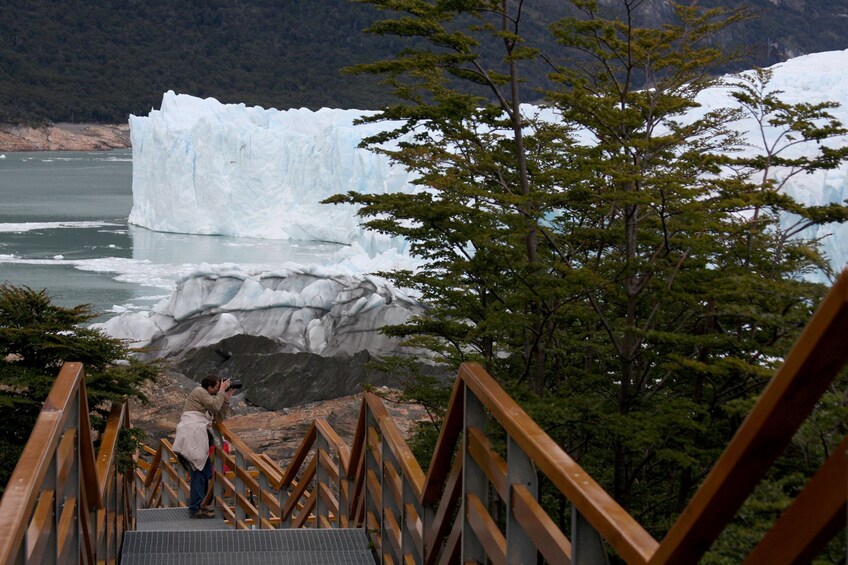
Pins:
x: 36, y: 337
x: 623, y: 267
x: 103, y: 60
x: 430, y: 392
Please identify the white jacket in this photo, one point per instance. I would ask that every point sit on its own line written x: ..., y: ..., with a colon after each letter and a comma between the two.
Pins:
x: 192, y: 440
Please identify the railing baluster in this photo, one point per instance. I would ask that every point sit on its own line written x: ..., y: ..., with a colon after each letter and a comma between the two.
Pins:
x: 264, y: 509
x: 343, y: 487
x: 238, y: 483
x: 408, y: 543
x: 218, y: 485
x: 587, y: 547
x: 72, y: 483
x: 519, y: 470
x: 473, y: 479
x: 386, y: 498
x: 49, y: 485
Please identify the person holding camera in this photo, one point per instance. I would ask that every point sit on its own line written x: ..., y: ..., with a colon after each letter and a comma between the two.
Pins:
x: 209, y: 402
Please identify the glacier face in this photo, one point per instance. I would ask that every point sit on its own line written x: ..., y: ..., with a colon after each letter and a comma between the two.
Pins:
x: 207, y: 168
x: 812, y: 79
x: 203, y: 167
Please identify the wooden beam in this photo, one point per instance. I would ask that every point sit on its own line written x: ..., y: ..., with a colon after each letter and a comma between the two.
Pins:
x: 538, y: 526
x: 487, y: 532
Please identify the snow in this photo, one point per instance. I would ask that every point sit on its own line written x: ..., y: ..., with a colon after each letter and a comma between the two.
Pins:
x: 202, y: 167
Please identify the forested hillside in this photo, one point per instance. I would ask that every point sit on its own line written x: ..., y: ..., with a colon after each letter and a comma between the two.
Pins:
x: 100, y: 60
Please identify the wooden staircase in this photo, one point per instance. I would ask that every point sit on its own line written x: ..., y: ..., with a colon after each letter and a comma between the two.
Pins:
x: 475, y: 504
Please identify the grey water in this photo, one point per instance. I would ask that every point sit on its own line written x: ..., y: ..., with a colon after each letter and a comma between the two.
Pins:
x: 63, y: 228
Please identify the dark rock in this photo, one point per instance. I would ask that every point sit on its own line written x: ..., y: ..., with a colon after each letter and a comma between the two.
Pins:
x: 275, y: 379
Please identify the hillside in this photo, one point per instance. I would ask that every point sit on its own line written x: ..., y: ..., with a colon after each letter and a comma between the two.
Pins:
x: 100, y: 60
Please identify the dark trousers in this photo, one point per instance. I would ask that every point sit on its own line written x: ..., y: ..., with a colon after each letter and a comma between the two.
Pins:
x: 199, y: 486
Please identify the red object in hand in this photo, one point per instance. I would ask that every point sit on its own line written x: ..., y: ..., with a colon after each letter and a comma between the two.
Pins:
x: 226, y: 450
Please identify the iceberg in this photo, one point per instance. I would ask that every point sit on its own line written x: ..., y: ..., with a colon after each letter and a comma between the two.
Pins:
x: 202, y: 167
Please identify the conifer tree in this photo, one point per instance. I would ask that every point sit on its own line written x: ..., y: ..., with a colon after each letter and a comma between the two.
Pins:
x: 661, y: 288
x: 36, y: 337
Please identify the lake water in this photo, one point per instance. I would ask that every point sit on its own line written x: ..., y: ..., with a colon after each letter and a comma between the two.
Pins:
x: 63, y: 227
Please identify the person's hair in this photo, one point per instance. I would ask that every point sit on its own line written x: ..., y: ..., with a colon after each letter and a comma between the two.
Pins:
x: 209, y: 381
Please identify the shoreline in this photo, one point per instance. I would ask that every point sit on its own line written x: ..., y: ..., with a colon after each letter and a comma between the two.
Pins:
x: 64, y: 137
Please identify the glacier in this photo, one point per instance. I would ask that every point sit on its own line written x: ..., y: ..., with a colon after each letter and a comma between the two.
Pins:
x: 318, y: 310
x: 203, y: 167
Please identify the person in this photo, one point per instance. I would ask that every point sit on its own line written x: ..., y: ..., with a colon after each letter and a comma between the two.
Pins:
x: 209, y: 402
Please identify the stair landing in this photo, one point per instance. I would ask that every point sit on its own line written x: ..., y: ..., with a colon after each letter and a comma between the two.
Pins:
x: 169, y: 537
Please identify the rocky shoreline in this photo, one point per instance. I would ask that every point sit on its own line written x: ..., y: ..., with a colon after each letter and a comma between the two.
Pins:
x: 64, y: 137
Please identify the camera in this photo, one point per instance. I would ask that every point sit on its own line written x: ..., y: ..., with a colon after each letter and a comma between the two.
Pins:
x: 235, y: 384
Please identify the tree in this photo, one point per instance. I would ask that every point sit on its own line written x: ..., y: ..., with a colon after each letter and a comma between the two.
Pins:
x: 478, y: 222
x: 694, y: 294
x: 36, y: 337
x: 623, y: 260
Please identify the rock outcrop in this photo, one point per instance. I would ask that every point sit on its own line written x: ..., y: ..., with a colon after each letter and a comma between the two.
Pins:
x: 276, y: 379
x: 64, y: 137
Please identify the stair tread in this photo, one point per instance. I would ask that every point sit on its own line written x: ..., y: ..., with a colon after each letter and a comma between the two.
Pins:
x: 253, y: 558
x: 171, y: 519
x: 333, y: 544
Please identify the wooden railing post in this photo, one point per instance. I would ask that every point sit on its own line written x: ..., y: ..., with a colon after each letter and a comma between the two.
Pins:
x: 519, y: 471
x: 474, y: 482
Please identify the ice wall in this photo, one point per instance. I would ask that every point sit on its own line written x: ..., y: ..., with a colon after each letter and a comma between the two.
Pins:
x: 203, y: 167
x: 815, y: 78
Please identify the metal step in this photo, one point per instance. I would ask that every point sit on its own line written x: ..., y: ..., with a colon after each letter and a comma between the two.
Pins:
x: 246, y: 547
x: 170, y: 519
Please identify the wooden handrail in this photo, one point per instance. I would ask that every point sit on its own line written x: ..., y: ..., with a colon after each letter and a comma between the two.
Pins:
x: 61, y: 426
x: 273, y: 472
x: 620, y: 529
x: 22, y: 490
x: 109, y: 447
